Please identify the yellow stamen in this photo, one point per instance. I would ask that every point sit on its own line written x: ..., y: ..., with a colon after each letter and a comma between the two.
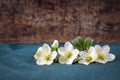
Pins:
x: 47, y: 57
x: 101, y: 56
x: 88, y: 58
x: 68, y: 54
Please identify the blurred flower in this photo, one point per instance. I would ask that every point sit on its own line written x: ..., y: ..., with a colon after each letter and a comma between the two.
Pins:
x: 103, y: 54
x: 67, y: 53
x: 44, y: 55
x: 88, y: 57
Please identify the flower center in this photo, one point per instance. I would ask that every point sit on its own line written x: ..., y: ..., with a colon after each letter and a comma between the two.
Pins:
x: 68, y: 54
x: 88, y: 58
x: 101, y: 56
x: 47, y: 57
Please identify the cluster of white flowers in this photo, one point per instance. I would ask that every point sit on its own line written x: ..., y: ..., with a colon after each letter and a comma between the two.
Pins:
x: 67, y: 54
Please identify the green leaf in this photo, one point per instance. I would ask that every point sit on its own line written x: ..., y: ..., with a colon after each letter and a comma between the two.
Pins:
x: 78, y: 43
x: 87, y: 43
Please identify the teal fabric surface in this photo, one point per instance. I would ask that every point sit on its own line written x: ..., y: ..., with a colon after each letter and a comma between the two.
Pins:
x: 17, y: 63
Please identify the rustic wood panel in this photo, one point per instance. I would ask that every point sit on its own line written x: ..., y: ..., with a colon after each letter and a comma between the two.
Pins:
x: 34, y: 21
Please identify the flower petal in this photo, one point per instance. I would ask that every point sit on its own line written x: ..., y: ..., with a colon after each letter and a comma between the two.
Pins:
x: 68, y: 46
x: 83, y: 54
x: 69, y: 61
x: 83, y: 62
x: 101, y: 61
x: 61, y: 51
x: 90, y: 49
x: 41, y: 61
x: 62, y: 60
x: 93, y: 54
x: 55, y: 44
x: 110, y: 57
x: 46, y: 48
x: 49, y: 62
x: 53, y: 55
x: 38, y: 53
x: 106, y: 49
x: 98, y: 48
x: 75, y: 53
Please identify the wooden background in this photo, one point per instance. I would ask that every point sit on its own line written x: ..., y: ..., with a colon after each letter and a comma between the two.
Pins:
x: 34, y: 21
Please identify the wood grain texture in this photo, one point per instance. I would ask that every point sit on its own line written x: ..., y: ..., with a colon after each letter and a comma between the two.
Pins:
x: 34, y: 21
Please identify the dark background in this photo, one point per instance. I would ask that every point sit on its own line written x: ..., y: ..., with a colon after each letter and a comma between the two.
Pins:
x: 34, y: 21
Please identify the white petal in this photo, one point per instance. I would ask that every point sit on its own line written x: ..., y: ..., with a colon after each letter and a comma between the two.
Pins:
x: 93, y: 54
x: 86, y: 63
x: 53, y: 55
x: 41, y: 61
x: 83, y: 62
x: 80, y: 62
x: 110, y: 57
x: 75, y: 53
x: 83, y: 54
x: 62, y: 60
x: 55, y: 44
x: 38, y: 53
x: 68, y: 46
x: 90, y: 49
x: 49, y: 62
x: 98, y: 48
x: 46, y: 48
x: 61, y: 51
x: 69, y: 61
x: 101, y: 61
x: 39, y: 49
x: 106, y: 49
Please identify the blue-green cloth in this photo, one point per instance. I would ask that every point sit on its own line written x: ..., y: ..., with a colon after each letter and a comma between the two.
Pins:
x: 17, y: 63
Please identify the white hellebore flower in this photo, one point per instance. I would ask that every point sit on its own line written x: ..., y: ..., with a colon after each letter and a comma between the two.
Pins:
x: 55, y: 45
x: 88, y: 57
x: 44, y: 55
x: 67, y: 53
x: 103, y: 54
